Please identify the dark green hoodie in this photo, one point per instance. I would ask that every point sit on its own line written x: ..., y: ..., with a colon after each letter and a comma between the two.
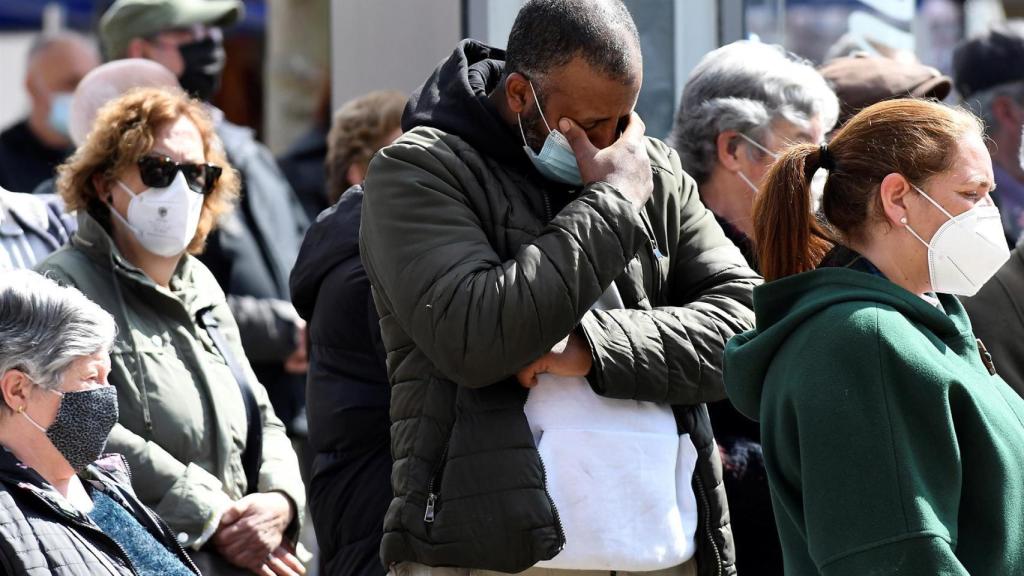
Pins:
x: 890, y: 447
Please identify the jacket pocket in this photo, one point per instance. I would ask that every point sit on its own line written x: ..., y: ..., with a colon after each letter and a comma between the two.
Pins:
x: 624, y: 497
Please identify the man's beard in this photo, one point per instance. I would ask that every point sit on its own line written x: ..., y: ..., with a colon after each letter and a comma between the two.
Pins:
x: 534, y: 129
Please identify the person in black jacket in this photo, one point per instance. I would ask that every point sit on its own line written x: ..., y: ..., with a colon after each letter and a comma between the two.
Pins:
x: 347, y: 390
x: 64, y: 506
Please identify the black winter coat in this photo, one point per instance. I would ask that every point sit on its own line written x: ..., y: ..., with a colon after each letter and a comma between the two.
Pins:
x: 347, y: 393
x: 40, y: 535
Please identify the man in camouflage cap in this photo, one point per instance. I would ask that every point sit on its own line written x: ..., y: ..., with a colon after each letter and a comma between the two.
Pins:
x: 183, y: 35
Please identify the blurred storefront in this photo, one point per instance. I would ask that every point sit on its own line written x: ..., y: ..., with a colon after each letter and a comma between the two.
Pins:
x: 291, y: 60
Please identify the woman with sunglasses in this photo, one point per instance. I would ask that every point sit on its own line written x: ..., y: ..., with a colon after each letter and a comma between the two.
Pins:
x: 206, y: 451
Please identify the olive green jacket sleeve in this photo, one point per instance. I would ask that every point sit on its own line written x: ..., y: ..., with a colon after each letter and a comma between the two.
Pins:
x: 673, y: 353
x: 279, y: 467
x: 480, y: 318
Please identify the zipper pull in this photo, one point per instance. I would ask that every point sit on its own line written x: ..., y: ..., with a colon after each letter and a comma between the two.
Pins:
x: 428, y: 517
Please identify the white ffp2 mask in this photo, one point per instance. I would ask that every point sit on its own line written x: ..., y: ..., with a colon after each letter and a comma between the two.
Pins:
x: 163, y: 220
x: 966, y: 251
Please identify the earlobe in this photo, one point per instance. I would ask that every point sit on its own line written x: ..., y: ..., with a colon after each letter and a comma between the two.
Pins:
x: 99, y: 184
x: 894, y: 191
x: 13, y: 385
x: 516, y: 89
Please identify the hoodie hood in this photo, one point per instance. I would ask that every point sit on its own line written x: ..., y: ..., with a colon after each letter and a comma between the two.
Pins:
x: 332, y: 239
x: 455, y: 100
x: 782, y: 307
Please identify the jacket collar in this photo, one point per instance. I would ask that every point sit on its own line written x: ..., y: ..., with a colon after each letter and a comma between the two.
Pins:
x: 94, y: 240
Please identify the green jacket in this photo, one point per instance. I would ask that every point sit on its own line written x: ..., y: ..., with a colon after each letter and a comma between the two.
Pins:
x: 182, y: 424
x: 479, y: 266
x: 890, y: 447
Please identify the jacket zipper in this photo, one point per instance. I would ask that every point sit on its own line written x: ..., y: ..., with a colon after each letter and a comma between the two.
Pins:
x: 554, y: 509
x: 707, y: 523
x: 170, y: 536
x: 434, y: 486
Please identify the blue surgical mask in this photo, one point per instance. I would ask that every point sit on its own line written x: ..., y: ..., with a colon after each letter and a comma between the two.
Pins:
x: 60, y: 113
x: 556, y: 160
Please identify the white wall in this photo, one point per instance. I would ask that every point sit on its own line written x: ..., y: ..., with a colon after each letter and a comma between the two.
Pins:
x: 389, y: 44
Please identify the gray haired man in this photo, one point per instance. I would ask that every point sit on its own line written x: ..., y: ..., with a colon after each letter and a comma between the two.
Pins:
x: 742, y: 105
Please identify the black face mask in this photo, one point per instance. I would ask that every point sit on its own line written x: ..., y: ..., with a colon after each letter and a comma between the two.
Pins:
x: 204, y: 64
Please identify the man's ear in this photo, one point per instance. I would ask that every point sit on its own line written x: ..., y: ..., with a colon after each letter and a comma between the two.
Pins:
x: 137, y: 48
x: 517, y: 92
x: 726, y: 146
x: 1008, y: 114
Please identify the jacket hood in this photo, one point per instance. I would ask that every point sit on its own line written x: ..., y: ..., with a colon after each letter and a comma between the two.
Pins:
x: 454, y: 99
x: 333, y: 238
x: 781, y: 308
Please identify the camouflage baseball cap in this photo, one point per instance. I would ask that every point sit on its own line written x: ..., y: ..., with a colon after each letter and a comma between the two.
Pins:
x: 126, y: 20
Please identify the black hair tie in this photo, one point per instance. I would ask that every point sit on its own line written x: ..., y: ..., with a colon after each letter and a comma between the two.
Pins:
x: 825, y: 159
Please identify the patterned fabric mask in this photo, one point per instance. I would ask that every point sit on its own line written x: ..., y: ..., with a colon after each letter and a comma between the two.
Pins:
x: 83, y: 422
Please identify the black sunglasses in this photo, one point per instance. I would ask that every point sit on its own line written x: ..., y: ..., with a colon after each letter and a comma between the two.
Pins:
x: 160, y: 171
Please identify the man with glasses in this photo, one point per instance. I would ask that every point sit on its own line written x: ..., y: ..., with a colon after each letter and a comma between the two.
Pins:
x: 251, y: 253
x: 742, y: 105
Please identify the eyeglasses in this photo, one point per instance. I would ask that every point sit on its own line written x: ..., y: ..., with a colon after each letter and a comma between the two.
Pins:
x: 160, y: 171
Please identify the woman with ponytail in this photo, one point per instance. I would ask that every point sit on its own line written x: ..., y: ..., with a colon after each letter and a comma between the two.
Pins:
x: 892, y: 447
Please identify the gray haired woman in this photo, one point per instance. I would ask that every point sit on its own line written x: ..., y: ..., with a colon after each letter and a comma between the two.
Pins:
x: 742, y: 105
x: 64, y: 507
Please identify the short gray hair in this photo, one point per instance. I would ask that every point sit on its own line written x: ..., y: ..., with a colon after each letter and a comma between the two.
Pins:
x: 44, y: 327
x: 745, y: 86
x: 981, y: 102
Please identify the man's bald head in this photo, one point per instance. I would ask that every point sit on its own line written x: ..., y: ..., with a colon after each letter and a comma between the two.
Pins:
x: 548, y: 34
x: 110, y: 81
x: 56, y: 64
x: 68, y: 51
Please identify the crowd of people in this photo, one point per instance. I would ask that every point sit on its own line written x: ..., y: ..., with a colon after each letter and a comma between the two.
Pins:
x: 493, y: 327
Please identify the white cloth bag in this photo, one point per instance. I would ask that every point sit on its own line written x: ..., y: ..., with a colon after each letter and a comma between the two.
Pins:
x: 619, y: 473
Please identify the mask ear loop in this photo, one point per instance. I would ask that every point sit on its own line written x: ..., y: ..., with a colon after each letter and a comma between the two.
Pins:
x: 744, y: 177
x: 539, y: 109
x: 759, y: 146
x: 934, y: 203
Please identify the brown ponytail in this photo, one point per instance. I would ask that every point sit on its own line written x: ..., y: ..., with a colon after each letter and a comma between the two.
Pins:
x: 915, y: 138
x: 788, y: 237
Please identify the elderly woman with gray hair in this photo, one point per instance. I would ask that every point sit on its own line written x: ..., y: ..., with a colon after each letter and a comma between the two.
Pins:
x: 64, y: 508
x: 742, y: 105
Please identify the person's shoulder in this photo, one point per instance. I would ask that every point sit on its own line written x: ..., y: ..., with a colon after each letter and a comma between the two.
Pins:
x: 68, y: 266
x: 422, y: 149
